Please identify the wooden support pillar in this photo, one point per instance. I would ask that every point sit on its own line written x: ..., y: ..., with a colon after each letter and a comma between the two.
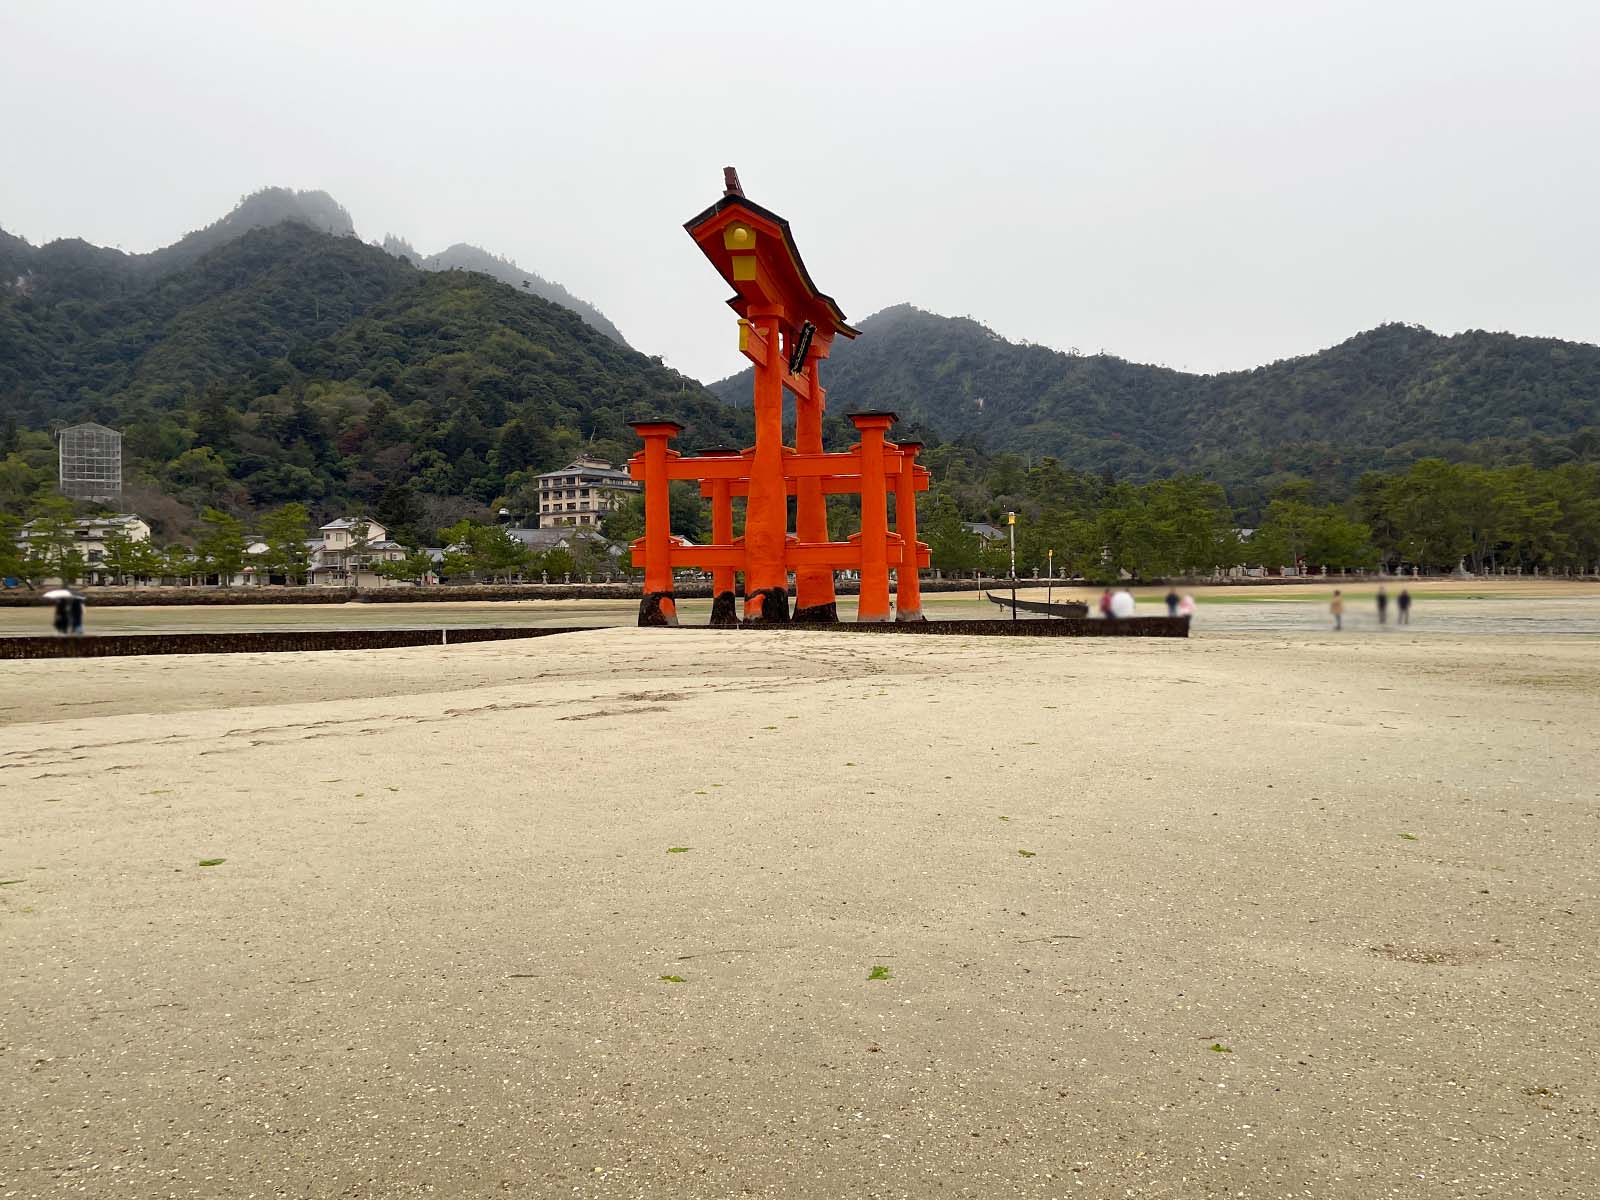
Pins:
x: 724, y: 604
x: 873, y: 603
x: 766, y: 515
x: 657, y: 606
x: 814, y: 596
x: 907, y: 584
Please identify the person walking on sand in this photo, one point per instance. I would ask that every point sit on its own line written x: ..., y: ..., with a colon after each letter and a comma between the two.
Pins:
x: 1105, y: 604
x: 1337, y: 609
x: 63, y: 615
x: 1172, y: 603
x: 1383, y: 605
x: 75, y: 615
x: 1403, y: 608
x: 1186, y: 606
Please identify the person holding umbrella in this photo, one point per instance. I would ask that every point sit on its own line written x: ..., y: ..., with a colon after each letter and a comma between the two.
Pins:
x: 69, y: 611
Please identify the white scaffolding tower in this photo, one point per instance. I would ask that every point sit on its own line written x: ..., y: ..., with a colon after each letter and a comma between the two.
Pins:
x: 91, y: 462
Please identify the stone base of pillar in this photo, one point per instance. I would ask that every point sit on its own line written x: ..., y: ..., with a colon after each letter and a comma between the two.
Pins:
x: 769, y: 606
x: 818, y: 614
x: 902, y: 617
x: 657, y: 609
x: 725, y: 611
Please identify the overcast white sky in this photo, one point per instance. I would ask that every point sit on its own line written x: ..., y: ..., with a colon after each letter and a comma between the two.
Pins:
x: 1207, y: 185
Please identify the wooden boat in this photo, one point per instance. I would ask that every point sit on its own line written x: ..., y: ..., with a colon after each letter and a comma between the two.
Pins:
x: 1061, y: 608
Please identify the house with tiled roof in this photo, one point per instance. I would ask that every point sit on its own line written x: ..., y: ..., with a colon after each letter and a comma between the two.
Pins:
x: 349, y: 549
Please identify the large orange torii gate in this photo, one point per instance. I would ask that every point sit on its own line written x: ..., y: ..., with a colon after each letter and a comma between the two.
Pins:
x: 786, y: 327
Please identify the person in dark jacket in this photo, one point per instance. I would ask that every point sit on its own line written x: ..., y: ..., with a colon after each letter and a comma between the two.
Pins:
x: 63, y: 617
x: 1403, y: 608
x: 1172, y: 603
x: 75, y: 615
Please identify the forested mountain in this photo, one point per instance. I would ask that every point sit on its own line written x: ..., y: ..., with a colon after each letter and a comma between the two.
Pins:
x: 462, y: 257
x: 274, y: 359
x: 1380, y: 400
x: 292, y: 364
x: 72, y: 269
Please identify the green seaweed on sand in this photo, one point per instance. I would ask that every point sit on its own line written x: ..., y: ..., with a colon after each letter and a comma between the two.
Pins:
x: 677, y: 849
x: 877, y: 973
x: 672, y: 979
x: 212, y: 862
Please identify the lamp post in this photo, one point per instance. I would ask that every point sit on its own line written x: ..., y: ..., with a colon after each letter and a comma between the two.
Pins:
x: 1011, y: 526
x: 1050, y: 582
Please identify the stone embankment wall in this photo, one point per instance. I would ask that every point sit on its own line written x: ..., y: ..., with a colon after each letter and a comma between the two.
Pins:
x: 267, y: 642
x: 292, y: 640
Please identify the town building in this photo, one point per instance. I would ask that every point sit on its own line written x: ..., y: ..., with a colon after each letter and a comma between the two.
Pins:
x: 349, y: 549
x: 582, y: 493
x: 90, y: 536
x: 552, y: 537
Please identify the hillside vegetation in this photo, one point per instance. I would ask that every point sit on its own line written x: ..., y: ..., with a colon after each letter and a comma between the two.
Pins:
x: 292, y: 364
x: 273, y: 363
x: 1380, y: 400
x: 462, y: 257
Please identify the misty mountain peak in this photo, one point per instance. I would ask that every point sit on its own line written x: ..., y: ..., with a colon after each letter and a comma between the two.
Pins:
x: 273, y: 205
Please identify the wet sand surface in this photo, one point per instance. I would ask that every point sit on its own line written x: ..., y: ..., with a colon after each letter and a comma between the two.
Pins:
x: 1252, y: 914
x: 1443, y: 606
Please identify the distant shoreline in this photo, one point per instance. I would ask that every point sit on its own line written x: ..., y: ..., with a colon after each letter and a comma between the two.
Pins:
x: 157, y: 597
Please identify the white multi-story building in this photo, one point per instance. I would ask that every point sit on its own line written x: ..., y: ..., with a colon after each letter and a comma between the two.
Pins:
x: 89, y: 538
x: 582, y: 493
x: 348, y: 551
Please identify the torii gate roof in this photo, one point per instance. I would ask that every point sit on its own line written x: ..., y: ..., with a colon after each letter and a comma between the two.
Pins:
x: 753, y: 250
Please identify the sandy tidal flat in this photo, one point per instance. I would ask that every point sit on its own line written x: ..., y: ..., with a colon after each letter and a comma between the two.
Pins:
x: 600, y: 915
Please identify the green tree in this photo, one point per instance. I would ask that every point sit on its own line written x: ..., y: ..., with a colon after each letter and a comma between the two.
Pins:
x: 952, y: 547
x: 497, y: 553
x: 19, y: 484
x: 625, y: 522
x: 122, y: 558
x: 220, y: 548
x: 144, y: 560
x: 414, y: 567
x: 12, y: 560
x: 199, y: 476
x: 179, y: 562
x: 557, y: 563
x: 474, y: 549
x: 1428, y: 510
x: 285, y: 531
x: 1308, y: 536
x: 52, y: 541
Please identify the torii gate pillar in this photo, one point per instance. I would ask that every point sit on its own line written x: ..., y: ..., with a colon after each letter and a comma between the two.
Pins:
x: 873, y: 603
x: 907, y: 583
x: 658, y: 605
x: 814, y: 598
x: 766, y: 514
